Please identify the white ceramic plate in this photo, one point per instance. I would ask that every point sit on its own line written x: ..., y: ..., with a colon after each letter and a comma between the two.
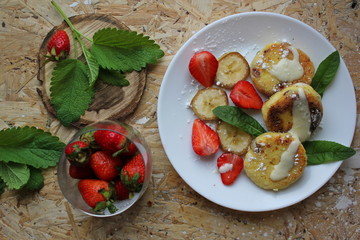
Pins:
x: 247, y: 33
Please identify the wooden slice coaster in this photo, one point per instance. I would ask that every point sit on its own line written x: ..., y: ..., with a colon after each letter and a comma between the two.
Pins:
x: 110, y: 102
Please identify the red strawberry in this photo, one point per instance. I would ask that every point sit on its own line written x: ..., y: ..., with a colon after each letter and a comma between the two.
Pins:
x: 121, y: 191
x: 133, y: 173
x: 78, y: 152
x: 203, y: 67
x: 109, y: 140
x: 205, y: 141
x: 80, y: 172
x: 129, y: 150
x: 97, y: 194
x: 230, y: 166
x: 59, y: 45
x: 244, y: 95
x: 105, y: 166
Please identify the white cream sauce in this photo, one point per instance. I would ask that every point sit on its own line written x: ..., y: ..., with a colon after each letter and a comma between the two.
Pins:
x: 288, y: 70
x: 281, y: 170
x: 225, y: 168
x: 300, y: 131
x: 301, y: 116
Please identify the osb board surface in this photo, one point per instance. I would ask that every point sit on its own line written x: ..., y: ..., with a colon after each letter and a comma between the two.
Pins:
x: 170, y: 208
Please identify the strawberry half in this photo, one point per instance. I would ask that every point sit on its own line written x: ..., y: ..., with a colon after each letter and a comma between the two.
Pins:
x: 59, y: 46
x: 105, y: 166
x: 77, y: 152
x: 205, y: 141
x: 244, y: 95
x: 97, y: 194
x: 203, y: 67
x: 229, y: 166
x: 133, y: 173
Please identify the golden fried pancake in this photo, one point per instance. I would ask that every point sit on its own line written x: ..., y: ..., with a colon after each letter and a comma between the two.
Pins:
x: 275, y: 160
x: 296, y: 108
x: 279, y: 65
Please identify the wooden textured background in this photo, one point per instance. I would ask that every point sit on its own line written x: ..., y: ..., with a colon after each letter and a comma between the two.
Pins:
x: 170, y: 208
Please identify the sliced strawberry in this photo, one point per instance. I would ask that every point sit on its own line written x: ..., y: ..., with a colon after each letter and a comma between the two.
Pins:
x: 205, y: 141
x: 244, y: 95
x: 230, y: 166
x: 203, y: 67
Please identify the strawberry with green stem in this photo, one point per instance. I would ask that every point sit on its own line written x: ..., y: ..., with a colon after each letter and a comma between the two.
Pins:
x: 133, y: 173
x: 113, y: 53
x: 78, y: 152
x: 98, y: 194
x: 58, y: 46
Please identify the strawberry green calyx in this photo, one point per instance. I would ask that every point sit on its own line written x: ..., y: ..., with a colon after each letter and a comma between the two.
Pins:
x: 108, y: 203
x: 78, y: 152
x: 89, y: 139
x: 131, y: 182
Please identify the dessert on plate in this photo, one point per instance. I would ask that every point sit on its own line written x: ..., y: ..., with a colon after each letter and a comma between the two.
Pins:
x: 279, y: 65
x: 275, y: 160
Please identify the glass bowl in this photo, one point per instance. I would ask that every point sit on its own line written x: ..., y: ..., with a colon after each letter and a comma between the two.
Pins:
x: 69, y: 185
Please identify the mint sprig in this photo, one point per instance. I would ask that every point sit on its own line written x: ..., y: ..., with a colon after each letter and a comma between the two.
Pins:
x: 23, y: 152
x: 238, y: 118
x: 319, y: 152
x: 326, y: 72
x: 115, y: 51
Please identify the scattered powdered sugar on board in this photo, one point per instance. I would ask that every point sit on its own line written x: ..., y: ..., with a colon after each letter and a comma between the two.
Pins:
x: 142, y: 120
x: 343, y: 202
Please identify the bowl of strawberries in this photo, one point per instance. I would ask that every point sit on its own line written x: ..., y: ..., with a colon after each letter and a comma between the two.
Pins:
x: 105, y: 168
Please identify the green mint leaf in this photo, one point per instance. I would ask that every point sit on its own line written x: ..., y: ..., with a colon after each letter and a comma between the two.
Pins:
x: 36, y: 180
x: 113, y: 77
x: 15, y: 175
x: 30, y: 146
x: 237, y: 117
x: 319, y: 152
x: 92, y: 65
x: 70, y: 94
x: 124, y: 50
x: 326, y: 72
x: 2, y: 186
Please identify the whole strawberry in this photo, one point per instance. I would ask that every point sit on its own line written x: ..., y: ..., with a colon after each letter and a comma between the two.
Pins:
x: 59, y: 46
x: 105, y: 166
x: 78, y: 152
x: 121, y: 191
x: 80, y: 172
x: 132, y: 174
x: 111, y: 141
x: 98, y: 194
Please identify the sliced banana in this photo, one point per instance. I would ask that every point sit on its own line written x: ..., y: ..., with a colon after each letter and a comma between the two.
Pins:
x: 233, y: 139
x: 233, y: 67
x: 206, y: 100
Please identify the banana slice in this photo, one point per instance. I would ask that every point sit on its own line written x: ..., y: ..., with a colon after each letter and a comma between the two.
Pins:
x: 206, y: 100
x: 233, y: 139
x: 233, y: 67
